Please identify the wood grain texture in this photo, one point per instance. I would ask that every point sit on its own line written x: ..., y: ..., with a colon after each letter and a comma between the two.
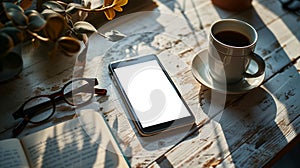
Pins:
x: 241, y: 139
x: 231, y: 130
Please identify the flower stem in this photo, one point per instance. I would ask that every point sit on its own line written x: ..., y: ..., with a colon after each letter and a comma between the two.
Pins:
x: 38, y: 36
x: 96, y: 9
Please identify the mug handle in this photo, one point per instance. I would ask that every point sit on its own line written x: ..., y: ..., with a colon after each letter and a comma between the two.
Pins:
x: 260, y: 63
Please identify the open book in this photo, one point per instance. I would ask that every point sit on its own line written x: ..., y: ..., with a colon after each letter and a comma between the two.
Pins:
x: 82, y: 142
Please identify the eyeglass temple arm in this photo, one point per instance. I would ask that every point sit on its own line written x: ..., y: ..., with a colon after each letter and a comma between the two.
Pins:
x: 101, y: 92
x: 20, y: 127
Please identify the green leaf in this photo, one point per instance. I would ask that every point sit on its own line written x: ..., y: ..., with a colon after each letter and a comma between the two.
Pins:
x: 54, y: 27
x: 14, y: 33
x: 36, y: 22
x: 7, y: 6
x: 55, y: 6
x: 18, y: 18
x: 6, y: 44
x: 68, y: 45
x: 84, y: 27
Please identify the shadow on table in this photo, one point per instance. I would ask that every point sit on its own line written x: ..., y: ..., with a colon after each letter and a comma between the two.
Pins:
x: 160, y: 142
x: 250, y: 116
x: 73, y: 147
x: 148, y: 37
x: 249, y: 122
x: 290, y: 158
x: 290, y: 154
x: 290, y: 19
x: 181, y: 6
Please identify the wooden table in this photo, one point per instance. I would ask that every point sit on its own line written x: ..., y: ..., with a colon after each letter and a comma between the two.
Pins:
x: 244, y: 130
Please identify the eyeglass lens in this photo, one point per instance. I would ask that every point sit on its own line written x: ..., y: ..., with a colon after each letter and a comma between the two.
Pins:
x: 75, y: 93
x: 39, y: 113
x: 78, y: 92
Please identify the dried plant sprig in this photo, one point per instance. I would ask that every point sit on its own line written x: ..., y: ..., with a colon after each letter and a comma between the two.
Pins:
x: 56, y: 23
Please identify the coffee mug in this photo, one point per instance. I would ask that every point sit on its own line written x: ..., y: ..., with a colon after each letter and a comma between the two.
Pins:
x: 230, y: 51
x: 233, y: 5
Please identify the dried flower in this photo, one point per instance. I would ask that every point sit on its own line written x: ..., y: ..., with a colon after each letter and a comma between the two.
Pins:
x: 111, y: 6
x: 59, y: 23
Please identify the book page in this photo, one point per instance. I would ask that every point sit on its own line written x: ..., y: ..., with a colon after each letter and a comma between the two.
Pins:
x: 12, y: 154
x: 82, y: 142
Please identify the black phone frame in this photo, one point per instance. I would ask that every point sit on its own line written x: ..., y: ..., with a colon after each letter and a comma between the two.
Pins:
x: 155, y: 129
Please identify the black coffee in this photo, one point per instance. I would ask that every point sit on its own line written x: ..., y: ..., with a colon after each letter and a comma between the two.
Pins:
x: 232, y: 38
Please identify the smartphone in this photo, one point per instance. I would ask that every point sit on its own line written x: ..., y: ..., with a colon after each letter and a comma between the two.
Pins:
x: 152, y: 99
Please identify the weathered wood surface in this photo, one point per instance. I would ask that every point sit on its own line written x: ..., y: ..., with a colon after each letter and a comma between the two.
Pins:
x: 256, y: 126
x: 232, y: 130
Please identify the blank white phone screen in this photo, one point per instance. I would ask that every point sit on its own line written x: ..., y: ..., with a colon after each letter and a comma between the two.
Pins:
x: 150, y: 93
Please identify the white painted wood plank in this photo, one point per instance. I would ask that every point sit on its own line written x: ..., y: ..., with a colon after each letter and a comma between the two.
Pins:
x: 198, y: 149
x: 250, y: 131
x: 276, y: 57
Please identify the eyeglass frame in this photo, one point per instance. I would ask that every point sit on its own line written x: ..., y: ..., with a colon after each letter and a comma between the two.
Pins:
x: 53, y: 98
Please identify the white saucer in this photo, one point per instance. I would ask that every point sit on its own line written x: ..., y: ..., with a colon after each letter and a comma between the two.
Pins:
x: 201, y: 73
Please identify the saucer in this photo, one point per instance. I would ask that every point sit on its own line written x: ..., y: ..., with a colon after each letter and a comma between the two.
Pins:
x: 201, y: 73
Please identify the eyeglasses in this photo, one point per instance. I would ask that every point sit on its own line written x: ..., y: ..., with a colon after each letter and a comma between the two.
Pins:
x: 38, y: 109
